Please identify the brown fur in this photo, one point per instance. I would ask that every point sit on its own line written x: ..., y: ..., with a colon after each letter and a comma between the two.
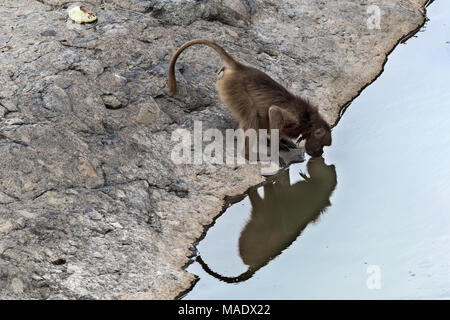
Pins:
x: 259, y: 102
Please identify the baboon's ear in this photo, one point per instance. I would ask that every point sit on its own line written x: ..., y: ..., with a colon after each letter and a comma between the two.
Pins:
x: 319, y: 133
x: 279, y: 118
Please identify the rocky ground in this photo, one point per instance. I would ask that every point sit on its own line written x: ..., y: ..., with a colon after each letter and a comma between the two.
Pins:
x: 91, y: 206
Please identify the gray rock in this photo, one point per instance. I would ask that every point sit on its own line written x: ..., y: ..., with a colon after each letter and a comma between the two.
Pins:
x: 9, y: 106
x: 111, y: 101
x: 3, y: 112
x: 91, y: 206
x: 148, y: 112
x: 56, y: 99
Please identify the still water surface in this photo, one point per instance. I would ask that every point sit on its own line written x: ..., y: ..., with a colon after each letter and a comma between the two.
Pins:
x: 369, y: 221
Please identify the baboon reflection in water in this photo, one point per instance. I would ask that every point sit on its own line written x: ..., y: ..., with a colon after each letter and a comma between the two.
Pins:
x: 281, y: 215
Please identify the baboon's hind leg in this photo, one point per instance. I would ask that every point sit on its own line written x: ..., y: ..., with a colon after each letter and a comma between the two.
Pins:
x: 250, y: 129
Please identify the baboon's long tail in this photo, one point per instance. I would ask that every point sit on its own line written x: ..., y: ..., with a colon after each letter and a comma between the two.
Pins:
x: 226, y: 59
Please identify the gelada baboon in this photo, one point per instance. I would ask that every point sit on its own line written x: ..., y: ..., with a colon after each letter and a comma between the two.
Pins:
x: 259, y: 102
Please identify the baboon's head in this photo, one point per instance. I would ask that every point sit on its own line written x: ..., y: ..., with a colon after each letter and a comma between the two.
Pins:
x: 318, y: 137
x: 303, y: 121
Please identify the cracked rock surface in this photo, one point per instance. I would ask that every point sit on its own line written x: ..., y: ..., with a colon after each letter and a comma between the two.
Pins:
x: 91, y: 206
